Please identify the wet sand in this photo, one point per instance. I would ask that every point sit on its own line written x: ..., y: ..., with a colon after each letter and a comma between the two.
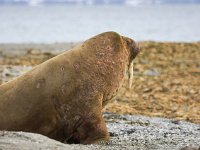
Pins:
x: 166, y: 79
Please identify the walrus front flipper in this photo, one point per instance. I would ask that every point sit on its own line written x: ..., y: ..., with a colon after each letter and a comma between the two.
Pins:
x: 91, y: 130
x: 98, y: 132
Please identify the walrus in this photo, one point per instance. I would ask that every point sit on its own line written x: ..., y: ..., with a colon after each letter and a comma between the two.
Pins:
x: 63, y: 97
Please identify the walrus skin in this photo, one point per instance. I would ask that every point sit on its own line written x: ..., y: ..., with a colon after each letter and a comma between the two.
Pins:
x: 63, y: 97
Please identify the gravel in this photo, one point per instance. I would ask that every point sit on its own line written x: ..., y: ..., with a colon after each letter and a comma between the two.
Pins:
x: 127, y: 132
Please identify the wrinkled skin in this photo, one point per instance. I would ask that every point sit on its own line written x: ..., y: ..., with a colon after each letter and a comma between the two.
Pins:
x: 63, y: 97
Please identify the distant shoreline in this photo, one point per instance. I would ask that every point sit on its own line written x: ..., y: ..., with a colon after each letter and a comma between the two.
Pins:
x: 99, y: 2
x: 77, y: 42
x: 59, y: 47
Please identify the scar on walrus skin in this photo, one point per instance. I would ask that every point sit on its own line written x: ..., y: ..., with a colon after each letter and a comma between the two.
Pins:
x: 63, y: 97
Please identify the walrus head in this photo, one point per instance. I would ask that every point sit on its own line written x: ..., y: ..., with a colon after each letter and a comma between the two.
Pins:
x: 133, y: 49
x: 120, y: 46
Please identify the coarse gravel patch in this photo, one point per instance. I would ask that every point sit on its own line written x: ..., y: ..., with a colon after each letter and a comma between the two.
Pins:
x: 126, y: 131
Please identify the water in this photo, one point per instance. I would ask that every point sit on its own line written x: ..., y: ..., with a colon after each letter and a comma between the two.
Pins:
x: 56, y: 23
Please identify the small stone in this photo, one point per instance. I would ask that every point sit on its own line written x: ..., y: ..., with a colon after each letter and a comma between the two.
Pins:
x: 153, y: 72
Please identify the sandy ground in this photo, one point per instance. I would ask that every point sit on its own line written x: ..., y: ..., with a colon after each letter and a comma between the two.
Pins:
x: 166, y: 77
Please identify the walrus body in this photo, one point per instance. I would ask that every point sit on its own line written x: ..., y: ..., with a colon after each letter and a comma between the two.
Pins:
x: 63, y: 97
